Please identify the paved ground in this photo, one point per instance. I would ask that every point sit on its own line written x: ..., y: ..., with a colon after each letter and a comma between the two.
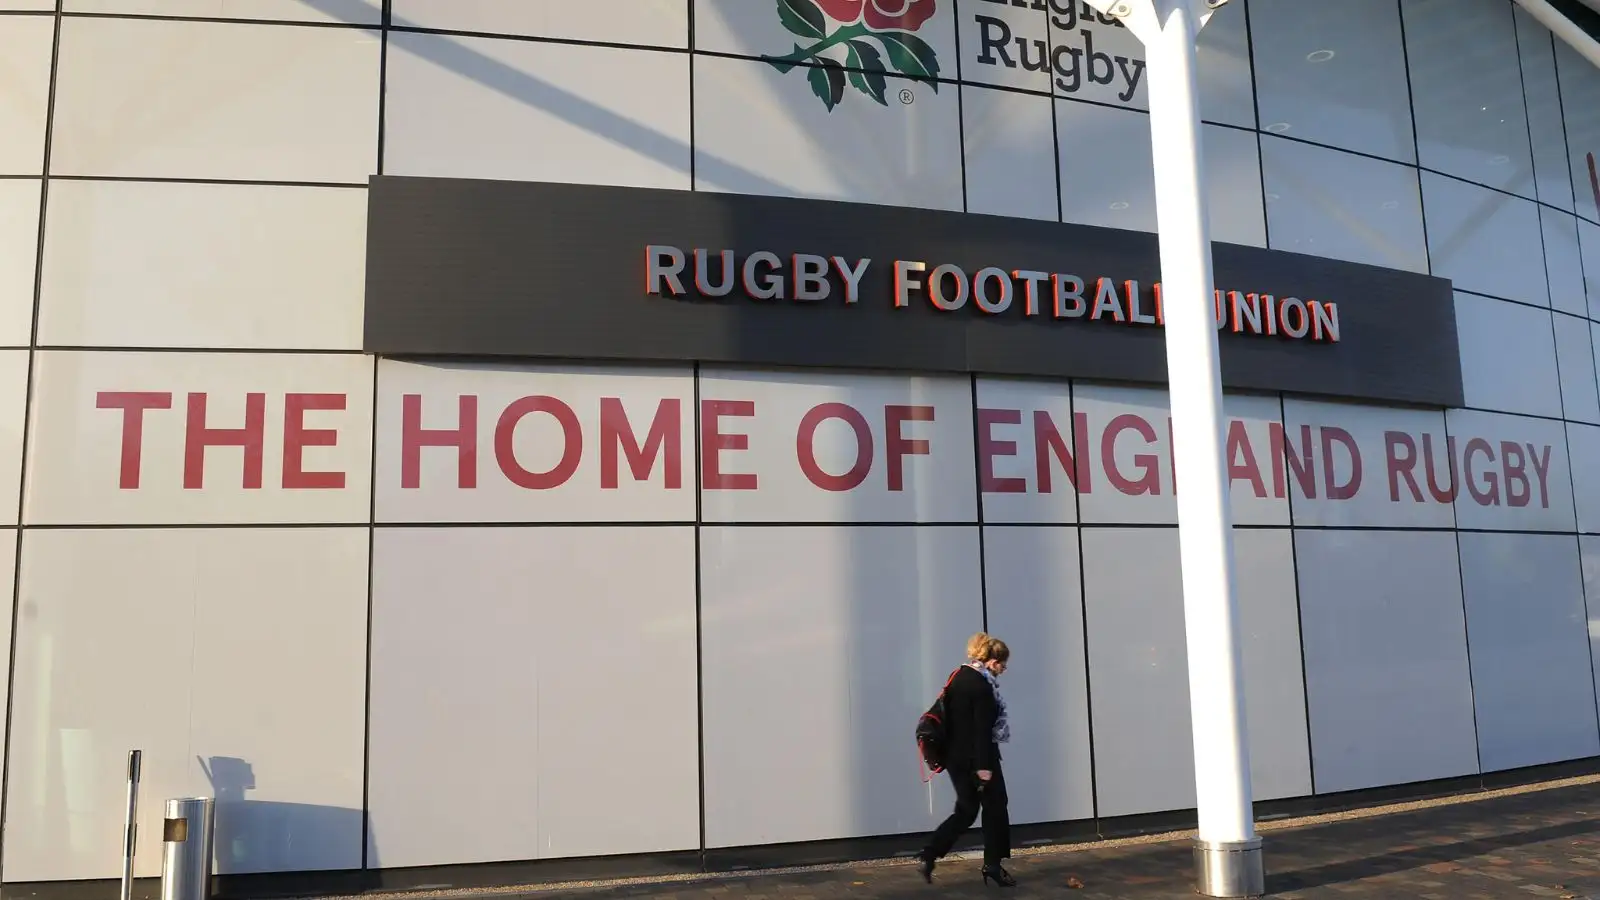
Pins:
x: 1522, y: 843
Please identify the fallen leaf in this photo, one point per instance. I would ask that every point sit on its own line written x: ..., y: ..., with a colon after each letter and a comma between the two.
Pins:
x: 1074, y: 884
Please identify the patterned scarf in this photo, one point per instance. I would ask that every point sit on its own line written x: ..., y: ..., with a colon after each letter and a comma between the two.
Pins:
x: 1002, y: 724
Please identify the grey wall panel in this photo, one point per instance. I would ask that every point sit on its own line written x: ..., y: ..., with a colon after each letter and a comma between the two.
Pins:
x: 1347, y: 99
x: 1119, y: 190
x: 514, y: 671
x: 1589, y: 252
x: 340, y: 12
x: 1563, y: 261
x: 1035, y: 603
x: 655, y: 23
x: 820, y: 648
x: 1580, y: 400
x: 1467, y: 93
x: 1144, y: 758
x: 523, y: 110
x: 1508, y: 356
x: 1580, y: 103
x: 1351, y: 445
x: 1329, y: 203
x: 280, y: 103
x: 1542, y: 92
x: 1269, y: 637
x: 1009, y: 150
x: 1526, y: 632
x: 1589, y: 558
x: 1514, y: 474
x: 1583, y: 443
x: 1484, y: 241
x: 25, y: 44
x: 232, y: 657
x: 761, y: 131
x: 1387, y: 679
x: 19, y: 253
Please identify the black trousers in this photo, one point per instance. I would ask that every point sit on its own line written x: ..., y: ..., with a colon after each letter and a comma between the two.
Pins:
x: 971, y: 796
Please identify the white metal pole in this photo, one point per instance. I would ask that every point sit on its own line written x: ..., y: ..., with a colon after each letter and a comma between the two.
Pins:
x: 1564, y: 28
x: 1228, y: 853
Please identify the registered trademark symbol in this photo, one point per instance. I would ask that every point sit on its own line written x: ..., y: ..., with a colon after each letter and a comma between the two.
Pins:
x: 907, y: 97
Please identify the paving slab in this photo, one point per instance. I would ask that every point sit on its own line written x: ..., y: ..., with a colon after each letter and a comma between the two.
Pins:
x: 1526, y: 842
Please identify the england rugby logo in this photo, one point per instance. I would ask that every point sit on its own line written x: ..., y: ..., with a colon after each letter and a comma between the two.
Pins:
x: 847, y: 42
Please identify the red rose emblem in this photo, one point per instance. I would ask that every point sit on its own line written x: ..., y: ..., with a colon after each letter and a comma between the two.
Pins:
x: 880, y: 15
x: 867, y: 39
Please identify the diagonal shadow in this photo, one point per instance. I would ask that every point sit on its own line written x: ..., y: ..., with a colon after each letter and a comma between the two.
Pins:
x: 1406, y: 860
x: 522, y: 87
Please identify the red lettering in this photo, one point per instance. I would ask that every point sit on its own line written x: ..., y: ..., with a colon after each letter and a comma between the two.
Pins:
x: 197, y: 437
x: 1331, y: 436
x: 1541, y: 470
x: 1491, y: 495
x: 1150, y: 481
x: 1515, y: 473
x: 1442, y: 495
x: 666, y: 433
x: 1301, y: 465
x: 805, y: 446
x: 1401, y: 467
x: 1246, y: 468
x: 505, y: 448
x: 713, y: 442
x: 989, y: 447
x: 297, y: 437
x: 133, y: 404
x: 413, y: 437
x: 1047, y: 443
x: 898, y: 445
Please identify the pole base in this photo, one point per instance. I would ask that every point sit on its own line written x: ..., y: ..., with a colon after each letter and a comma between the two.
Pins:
x: 1229, y: 868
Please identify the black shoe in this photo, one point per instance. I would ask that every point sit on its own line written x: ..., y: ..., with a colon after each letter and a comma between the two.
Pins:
x: 1001, y: 877
x: 925, y: 868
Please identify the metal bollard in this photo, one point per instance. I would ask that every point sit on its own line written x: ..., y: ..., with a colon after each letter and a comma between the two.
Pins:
x: 186, y: 862
x: 130, y: 827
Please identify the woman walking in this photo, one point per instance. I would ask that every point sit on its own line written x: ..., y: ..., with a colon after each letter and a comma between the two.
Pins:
x: 977, y: 727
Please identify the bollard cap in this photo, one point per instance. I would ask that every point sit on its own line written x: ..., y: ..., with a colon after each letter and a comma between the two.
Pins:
x: 190, y: 807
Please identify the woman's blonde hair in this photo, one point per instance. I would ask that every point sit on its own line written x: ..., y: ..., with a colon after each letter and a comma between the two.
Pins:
x: 982, y: 647
x: 998, y: 651
x: 978, y: 647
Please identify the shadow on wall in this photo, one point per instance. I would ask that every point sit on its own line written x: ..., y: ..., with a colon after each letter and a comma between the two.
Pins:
x: 255, y: 836
x: 455, y: 56
x: 887, y: 648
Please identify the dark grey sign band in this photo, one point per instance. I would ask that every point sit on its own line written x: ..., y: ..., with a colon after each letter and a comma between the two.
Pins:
x: 477, y: 268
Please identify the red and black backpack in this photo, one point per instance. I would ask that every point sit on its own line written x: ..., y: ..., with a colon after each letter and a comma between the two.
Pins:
x: 933, y: 732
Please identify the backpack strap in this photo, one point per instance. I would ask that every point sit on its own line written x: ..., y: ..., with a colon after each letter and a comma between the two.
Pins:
x: 922, y: 763
x: 950, y: 680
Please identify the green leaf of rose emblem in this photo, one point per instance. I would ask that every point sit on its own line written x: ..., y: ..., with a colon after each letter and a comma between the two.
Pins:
x: 803, y: 17
x: 911, y: 56
x: 827, y: 82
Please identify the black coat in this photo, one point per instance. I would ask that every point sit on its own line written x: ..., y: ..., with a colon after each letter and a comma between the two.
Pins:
x: 971, y: 712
